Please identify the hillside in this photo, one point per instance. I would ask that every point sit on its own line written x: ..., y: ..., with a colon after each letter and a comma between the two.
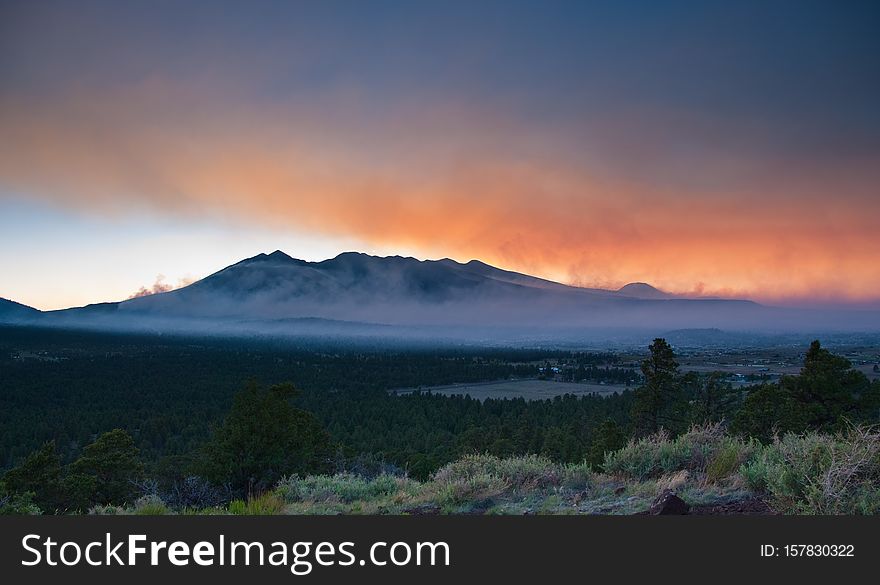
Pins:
x: 351, y: 294
x: 12, y: 312
x: 265, y: 292
x: 702, y: 472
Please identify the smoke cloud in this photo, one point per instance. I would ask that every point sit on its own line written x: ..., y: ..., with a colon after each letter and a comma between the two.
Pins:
x: 160, y: 286
x: 457, y: 180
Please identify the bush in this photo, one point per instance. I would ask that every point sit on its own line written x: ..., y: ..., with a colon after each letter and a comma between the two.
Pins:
x: 756, y: 473
x: 342, y: 487
x: 520, y: 473
x: 728, y: 458
x: 267, y: 504
x: 657, y: 454
x: 150, y: 506
x: 471, y: 489
x: 194, y: 492
x: 108, y: 510
x: 820, y: 474
x: 481, y: 477
x: 578, y: 476
x: 17, y: 504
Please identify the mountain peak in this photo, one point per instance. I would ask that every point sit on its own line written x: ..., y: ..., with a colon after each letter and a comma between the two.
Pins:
x: 279, y: 255
x: 642, y: 290
x: 276, y: 256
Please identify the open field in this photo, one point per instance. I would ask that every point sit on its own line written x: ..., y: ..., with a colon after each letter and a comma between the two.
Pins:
x: 530, y: 389
x: 770, y: 362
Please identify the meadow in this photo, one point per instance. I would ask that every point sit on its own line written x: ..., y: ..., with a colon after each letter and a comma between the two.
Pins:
x: 531, y: 389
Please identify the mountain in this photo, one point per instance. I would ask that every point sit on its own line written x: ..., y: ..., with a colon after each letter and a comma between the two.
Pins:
x: 641, y: 290
x: 11, y: 312
x: 276, y: 293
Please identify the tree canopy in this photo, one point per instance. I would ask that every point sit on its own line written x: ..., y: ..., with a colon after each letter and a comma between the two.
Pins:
x: 265, y: 437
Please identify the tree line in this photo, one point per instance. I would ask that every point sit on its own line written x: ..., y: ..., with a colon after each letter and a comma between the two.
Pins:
x: 272, y: 430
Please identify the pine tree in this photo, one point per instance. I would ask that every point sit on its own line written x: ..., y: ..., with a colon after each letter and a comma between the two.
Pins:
x: 113, y: 461
x: 658, y: 401
x: 263, y: 438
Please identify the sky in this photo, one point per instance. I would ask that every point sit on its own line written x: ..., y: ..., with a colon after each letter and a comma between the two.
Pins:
x: 709, y: 148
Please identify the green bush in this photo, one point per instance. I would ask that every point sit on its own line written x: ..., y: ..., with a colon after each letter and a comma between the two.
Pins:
x: 658, y: 454
x: 268, y: 504
x: 820, y: 474
x: 108, y: 510
x: 17, y: 504
x: 728, y: 458
x: 463, y: 490
x: 755, y: 473
x: 527, y: 472
x: 343, y: 487
x: 577, y: 476
x: 151, y: 505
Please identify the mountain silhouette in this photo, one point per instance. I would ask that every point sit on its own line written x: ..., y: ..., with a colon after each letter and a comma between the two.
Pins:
x: 641, y: 290
x: 277, y: 293
x: 10, y: 311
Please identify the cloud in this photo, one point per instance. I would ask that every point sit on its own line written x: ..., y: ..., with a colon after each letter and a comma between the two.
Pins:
x: 160, y: 286
x: 461, y: 180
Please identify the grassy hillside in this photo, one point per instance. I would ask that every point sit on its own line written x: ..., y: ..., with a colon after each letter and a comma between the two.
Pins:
x: 713, y: 472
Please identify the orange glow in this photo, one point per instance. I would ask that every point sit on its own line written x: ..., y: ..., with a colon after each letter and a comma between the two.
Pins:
x: 449, y: 184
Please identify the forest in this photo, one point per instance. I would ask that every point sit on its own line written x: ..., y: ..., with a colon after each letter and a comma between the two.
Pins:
x: 89, y: 418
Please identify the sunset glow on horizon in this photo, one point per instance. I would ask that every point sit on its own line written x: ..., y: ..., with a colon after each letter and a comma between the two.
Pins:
x: 708, y: 151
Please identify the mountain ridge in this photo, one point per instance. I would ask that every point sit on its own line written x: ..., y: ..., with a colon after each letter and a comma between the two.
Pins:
x: 357, y: 288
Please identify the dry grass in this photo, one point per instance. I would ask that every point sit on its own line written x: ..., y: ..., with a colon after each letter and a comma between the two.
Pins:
x: 810, y: 473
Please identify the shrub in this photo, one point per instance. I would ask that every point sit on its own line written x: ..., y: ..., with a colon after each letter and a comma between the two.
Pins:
x: 342, y: 487
x: 728, y: 458
x: 657, y: 454
x: 108, y: 510
x: 17, y: 504
x: 461, y: 490
x: 577, y: 476
x: 673, y: 481
x: 267, y: 504
x: 820, y: 474
x: 481, y: 477
x: 520, y: 473
x: 150, y: 506
x: 195, y: 492
x: 755, y: 473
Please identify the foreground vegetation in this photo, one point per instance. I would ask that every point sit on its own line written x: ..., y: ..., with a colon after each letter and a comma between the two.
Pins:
x: 811, y: 473
x: 804, y: 444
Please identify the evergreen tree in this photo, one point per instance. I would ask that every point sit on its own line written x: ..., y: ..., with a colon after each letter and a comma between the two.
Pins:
x: 40, y: 475
x: 713, y: 399
x: 826, y: 394
x: 659, y: 401
x: 263, y: 438
x: 609, y: 436
x: 113, y: 461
